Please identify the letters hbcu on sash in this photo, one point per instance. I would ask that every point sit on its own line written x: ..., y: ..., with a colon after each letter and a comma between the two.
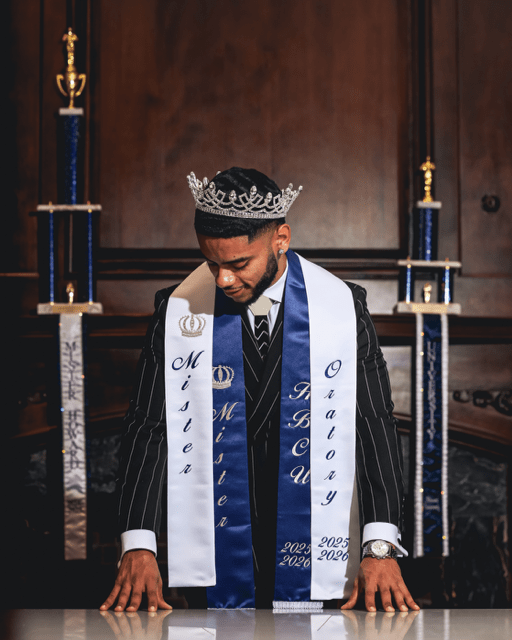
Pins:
x: 302, y: 419
x: 298, y: 554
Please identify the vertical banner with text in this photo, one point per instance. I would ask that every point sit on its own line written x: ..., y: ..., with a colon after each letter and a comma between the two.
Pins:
x: 74, y: 460
x: 431, y: 480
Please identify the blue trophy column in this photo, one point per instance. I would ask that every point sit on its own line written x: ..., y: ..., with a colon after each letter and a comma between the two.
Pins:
x: 70, y: 187
x: 425, y: 232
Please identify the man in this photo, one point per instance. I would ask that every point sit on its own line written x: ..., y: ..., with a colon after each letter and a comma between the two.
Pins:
x: 262, y: 502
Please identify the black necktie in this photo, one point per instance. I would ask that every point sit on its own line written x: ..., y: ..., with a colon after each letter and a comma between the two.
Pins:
x: 261, y: 309
x: 261, y: 333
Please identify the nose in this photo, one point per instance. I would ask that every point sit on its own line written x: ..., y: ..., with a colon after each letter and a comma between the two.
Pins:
x: 224, y: 278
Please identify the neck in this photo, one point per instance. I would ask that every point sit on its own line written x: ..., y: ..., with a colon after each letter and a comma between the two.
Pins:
x: 283, y: 261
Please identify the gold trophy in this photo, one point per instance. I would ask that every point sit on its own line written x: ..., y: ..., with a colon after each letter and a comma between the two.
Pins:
x: 71, y: 78
x: 427, y: 168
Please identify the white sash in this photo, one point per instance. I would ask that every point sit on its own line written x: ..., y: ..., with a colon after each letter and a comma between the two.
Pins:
x: 188, y: 384
x: 333, y: 337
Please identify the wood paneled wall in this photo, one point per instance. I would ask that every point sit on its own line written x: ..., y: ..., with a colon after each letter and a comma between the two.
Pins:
x: 331, y: 95
x: 472, y: 133
x: 309, y: 92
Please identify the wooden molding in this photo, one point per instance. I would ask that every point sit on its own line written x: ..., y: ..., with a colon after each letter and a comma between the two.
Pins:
x: 136, y: 264
x: 128, y: 331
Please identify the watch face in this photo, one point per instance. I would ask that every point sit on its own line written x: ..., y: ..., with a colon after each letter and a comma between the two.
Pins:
x: 380, y: 548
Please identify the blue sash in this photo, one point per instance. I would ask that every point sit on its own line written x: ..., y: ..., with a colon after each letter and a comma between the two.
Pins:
x: 233, y: 536
x: 293, y: 552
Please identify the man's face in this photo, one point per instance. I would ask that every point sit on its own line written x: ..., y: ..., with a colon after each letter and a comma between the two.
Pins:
x: 241, y: 269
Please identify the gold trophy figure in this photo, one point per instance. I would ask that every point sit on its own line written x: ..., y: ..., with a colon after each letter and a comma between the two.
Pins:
x: 71, y: 77
x: 427, y: 167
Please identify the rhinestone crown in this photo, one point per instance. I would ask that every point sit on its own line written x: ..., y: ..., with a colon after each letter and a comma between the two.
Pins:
x: 252, y: 205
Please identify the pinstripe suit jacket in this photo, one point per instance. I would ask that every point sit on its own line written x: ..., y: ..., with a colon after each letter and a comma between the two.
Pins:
x: 144, y: 451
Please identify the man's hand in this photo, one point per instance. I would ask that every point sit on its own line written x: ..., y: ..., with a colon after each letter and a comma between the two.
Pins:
x: 137, y: 574
x: 383, y: 576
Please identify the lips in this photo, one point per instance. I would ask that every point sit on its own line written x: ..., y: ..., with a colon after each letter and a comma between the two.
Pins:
x: 233, y: 292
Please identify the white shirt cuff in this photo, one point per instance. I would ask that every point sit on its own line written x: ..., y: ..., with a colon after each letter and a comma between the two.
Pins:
x: 384, y: 531
x: 138, y: 539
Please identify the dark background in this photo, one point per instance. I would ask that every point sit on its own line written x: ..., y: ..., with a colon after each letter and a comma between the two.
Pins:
x: 346, y: 98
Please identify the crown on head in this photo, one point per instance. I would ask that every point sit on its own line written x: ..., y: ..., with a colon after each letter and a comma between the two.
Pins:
x: 251, y: 205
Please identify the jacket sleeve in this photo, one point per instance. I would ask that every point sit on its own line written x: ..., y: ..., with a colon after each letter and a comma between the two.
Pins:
x: 378, y: 452
x: 144, y: 445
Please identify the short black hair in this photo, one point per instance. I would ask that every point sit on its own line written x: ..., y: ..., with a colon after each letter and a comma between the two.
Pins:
x: 240, y: 181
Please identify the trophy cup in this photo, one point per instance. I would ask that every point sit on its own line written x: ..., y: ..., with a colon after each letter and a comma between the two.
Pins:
x: 71, y: 77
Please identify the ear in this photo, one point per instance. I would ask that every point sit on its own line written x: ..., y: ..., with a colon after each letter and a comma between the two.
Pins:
x: 282, y: 238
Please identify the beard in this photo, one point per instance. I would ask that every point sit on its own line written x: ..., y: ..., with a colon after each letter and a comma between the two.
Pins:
x: 266, y: 279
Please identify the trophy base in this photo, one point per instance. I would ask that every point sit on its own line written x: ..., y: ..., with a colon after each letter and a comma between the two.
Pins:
x: 434, y: 264
x: 52, y: 308
x: 452, y: 308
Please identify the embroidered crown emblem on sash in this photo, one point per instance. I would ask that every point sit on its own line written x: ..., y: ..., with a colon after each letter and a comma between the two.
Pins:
x: 222, y: 377
x: 192, y: 326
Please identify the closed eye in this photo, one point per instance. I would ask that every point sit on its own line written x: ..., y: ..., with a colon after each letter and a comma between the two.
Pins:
x: 232, y: 266
x: 237, y: 267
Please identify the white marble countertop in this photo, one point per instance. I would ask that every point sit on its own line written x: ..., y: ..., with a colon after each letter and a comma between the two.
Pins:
x: 82, y: 624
